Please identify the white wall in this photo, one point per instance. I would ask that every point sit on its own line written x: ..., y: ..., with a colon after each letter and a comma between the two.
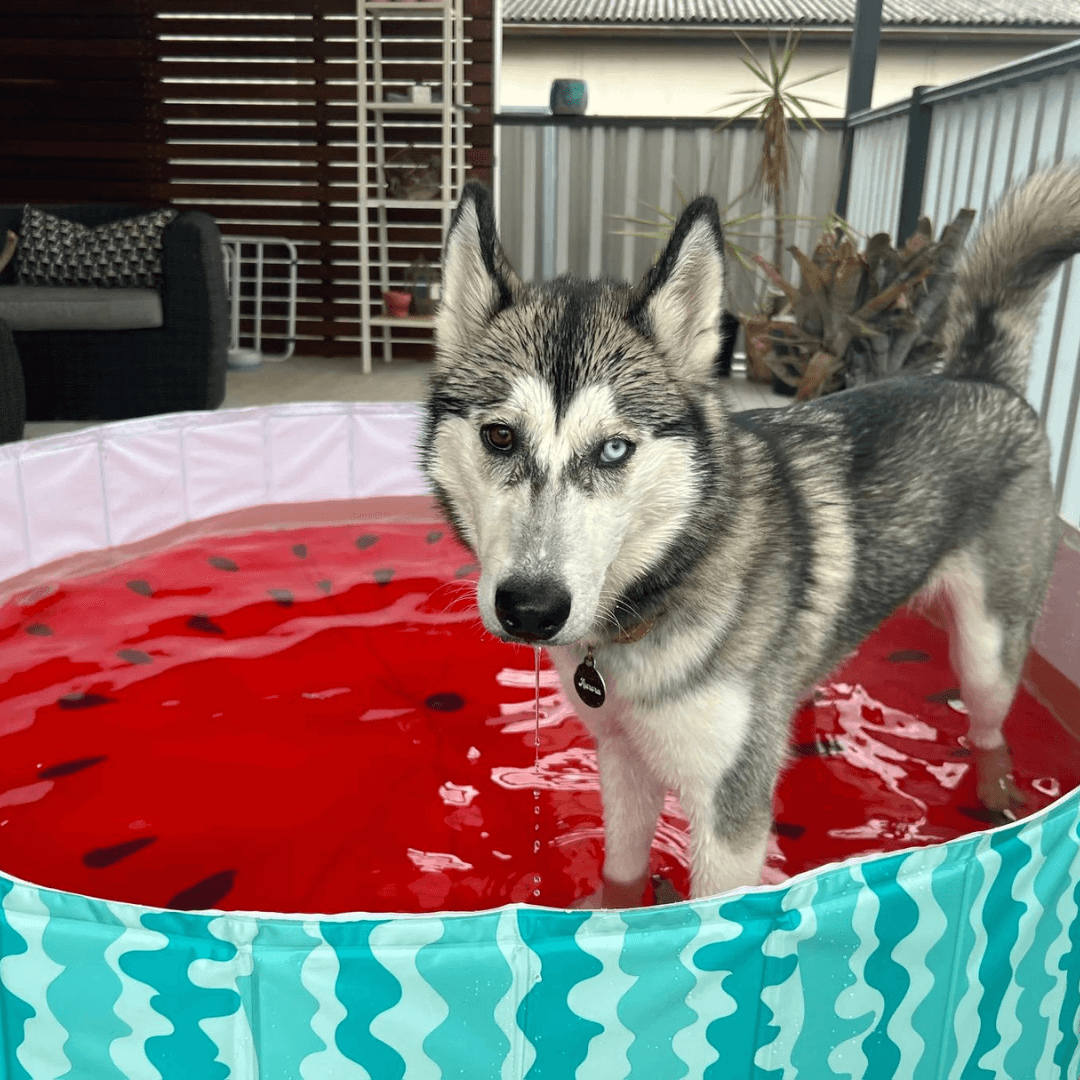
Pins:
x: 631, y: 77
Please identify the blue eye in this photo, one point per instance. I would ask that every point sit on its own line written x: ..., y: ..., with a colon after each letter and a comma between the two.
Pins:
x: 615, y: 451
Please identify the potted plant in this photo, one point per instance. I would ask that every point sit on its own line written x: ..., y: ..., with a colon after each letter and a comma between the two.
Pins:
x: 856, y: 317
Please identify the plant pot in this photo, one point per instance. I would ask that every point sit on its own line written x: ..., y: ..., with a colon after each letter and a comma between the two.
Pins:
x: 397, y: 303
x: 758, y: 346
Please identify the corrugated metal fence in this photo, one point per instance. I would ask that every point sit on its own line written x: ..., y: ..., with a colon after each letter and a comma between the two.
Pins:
x: 571, y: 188
x: 986, y: 134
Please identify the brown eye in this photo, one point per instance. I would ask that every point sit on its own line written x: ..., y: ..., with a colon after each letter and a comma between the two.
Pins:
x: 498, y: 437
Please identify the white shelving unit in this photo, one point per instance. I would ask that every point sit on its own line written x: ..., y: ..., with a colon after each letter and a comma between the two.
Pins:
x: 401, y: 142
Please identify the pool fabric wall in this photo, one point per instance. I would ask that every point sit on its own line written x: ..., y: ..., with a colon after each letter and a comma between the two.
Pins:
x: 961, y: 959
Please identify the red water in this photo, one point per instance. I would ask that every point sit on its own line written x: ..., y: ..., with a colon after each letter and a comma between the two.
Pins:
x: 314, y: 720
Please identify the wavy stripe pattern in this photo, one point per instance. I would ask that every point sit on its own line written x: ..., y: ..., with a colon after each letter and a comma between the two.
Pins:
x: 472, y: 989
x: 29, y: 975
x: 597, y: 999
x: 320, y: 975
x: 134, y: 1008
x: 961, y: 960
x: 86, y: 987
x: 230, y: 1032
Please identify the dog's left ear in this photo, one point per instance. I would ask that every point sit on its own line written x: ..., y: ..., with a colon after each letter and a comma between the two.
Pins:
x: 681, y: 299
x: 477, y: 279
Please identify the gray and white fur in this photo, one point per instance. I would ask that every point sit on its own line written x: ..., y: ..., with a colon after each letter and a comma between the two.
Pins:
x: 718, y: 564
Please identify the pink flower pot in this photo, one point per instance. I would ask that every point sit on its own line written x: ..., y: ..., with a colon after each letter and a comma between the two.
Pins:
x: 397, y: 303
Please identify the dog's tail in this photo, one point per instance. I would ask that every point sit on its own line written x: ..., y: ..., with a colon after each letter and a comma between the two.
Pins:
x: 1000, y: 280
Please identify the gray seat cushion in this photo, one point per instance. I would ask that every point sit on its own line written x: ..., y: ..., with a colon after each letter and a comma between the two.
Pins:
x: 56, y: 307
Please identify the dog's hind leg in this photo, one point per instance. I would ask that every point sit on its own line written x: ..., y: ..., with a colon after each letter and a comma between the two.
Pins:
x: 729, y: 804
x: 987, y: 646
x: 721, y: 858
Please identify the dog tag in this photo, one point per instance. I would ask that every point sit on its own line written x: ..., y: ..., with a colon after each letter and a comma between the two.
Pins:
x: 589, y: 683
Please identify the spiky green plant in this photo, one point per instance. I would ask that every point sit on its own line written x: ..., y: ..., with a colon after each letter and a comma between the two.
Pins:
x: 775, y: 109
x: 736, y: 226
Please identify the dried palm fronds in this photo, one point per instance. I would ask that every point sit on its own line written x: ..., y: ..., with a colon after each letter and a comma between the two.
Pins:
x: 776, y: 106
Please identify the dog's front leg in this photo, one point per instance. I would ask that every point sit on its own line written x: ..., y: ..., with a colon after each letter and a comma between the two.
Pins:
x: 633, y: 799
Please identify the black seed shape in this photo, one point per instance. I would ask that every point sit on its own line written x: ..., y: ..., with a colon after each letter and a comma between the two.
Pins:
x: 281, y: 596
x: 219, y: 562
x: 106, y: 856
x: 39, y: 630
x: 434, y: 536
x: 205, y: 893
x: 324, y: 585
x: 66, y: 768
x: 827, y: 746
x: 383, y: 575
x: 788, y: 830
x: 141, y: 587
x: 82, y: 701
x: 988, y: 817
x: 448, y: 702
x: 36, y: 595
x: 300, y: 551
x: 366, y: 540
x: 135, y: 656
x: 943, y: 697
x: 202, y: 622
x: 908, y: 656
x: 467, y: 569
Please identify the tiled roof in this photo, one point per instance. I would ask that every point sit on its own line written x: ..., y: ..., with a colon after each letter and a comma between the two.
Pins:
x: 780, y: 13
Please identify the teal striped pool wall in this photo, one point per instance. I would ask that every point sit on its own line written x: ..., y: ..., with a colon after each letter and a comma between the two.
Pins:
x: 956, y: 961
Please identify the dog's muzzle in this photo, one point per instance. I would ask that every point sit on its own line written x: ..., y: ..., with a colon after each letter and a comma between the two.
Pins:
x: 532, y: 609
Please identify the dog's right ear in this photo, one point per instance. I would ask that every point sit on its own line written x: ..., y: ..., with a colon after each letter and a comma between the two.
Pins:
x: 681, y: 299
x: 477, y: 280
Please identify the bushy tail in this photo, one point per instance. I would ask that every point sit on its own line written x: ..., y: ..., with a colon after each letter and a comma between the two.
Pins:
x: 1001, y: 278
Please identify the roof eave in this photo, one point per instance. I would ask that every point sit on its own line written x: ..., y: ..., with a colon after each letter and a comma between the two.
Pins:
x: 896, y: 32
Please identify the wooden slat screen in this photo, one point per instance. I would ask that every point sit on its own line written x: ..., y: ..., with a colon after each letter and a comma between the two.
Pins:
x: 244, y: 108
x: 78, y: 112
x: 259, y: 107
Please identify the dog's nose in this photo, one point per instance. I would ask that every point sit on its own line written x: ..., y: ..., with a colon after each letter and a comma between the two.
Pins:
x: 532, y: 609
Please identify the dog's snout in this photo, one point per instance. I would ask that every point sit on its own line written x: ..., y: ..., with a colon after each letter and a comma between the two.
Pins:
x: 532, y: 609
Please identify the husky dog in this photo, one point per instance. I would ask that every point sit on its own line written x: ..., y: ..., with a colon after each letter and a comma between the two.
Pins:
x: 711, y: 566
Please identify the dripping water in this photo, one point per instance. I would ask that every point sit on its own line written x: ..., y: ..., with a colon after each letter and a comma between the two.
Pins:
x: 536, y: 773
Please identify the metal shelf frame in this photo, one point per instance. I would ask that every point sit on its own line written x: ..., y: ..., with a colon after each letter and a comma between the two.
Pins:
x: 446, y: 117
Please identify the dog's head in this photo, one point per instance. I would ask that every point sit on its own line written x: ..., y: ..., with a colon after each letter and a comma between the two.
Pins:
x: 573, y: 428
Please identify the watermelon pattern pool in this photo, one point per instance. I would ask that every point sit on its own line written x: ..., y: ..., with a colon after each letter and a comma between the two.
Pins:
x: 310, y: 719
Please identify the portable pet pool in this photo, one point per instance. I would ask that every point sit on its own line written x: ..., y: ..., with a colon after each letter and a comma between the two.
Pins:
x: 241, y: 671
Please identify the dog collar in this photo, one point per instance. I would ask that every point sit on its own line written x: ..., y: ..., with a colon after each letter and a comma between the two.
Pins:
x: 630, y: 634
x: 588, y: 682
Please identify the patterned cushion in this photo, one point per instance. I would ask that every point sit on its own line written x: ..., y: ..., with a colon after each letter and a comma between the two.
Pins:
x: 121, y: 254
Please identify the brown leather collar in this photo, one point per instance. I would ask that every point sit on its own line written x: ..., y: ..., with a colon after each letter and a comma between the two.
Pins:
x: 629, y: 634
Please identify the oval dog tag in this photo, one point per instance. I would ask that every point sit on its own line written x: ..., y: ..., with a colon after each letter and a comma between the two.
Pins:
x: 589, y: 683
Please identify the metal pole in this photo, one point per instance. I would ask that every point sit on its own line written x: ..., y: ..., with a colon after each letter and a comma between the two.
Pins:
x: 861, y: 65
x: 918, y: 141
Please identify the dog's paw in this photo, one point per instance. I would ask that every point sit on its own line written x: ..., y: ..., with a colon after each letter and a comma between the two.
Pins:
x: 590, y: 902
x: 617, y: 894
x: 996, y: 788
